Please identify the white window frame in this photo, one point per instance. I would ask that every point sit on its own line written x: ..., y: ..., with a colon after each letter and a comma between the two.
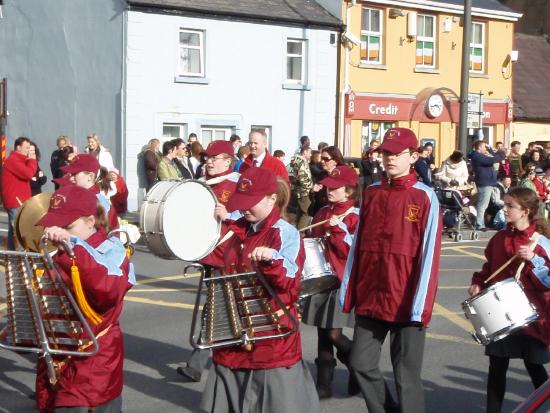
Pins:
x: 200, y: 48
x: 367, y: 125
x: 432, y: 39
x: 366, y: 33
x: 478, y: 46
x: 227, y: 130
x: 182, y: 129
x: 303, y: 56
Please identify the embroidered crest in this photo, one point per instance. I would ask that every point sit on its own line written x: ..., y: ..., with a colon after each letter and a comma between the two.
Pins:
x: 224, y: 197
x: 244, y: 185
x: 413, y: 212
x: 57, y: 201
x: 392, y: 133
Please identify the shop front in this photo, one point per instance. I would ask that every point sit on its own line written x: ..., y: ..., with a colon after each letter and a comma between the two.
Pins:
x: 432, y: 114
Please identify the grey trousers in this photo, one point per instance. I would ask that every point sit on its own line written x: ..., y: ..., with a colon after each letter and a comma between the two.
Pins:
x: 114, y: 406
x: 406, y: 350
x: 198, y: 359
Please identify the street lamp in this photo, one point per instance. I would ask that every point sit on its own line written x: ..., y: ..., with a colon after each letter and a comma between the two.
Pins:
x: 465, y: 75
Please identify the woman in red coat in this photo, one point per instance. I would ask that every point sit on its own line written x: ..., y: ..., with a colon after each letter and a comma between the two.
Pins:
x: 119, y: 200
x: 529, y: 343
x: 95, y: 382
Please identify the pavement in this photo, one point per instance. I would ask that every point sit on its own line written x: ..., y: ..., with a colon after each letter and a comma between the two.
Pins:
x: 156, y: 323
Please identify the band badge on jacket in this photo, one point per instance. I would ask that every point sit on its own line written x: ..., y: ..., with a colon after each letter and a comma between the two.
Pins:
x: 413, y: 213
x: 224, y: 197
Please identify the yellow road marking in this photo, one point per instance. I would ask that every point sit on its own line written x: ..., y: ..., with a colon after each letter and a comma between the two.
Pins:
x: 160, y: 290
x: 168, y: 278
x: 454, y: 339
x: 453, y: 317
x: 463, y: 251
x: 160, y: 303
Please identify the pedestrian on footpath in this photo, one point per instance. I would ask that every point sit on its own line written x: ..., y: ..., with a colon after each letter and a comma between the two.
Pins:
x: 529, y: 343
x: 392, y: 281
x: 17, y: 173
x: 485, y: 177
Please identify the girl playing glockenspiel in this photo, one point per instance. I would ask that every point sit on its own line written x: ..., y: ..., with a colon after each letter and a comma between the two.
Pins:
x: 271, y: 375
x: 529, y: 343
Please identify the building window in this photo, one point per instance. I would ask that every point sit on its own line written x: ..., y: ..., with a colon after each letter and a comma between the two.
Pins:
x: 191, y: 62
x: 174, y: 130
x: 295, y: 61
x: 477, y: 47
x: 425, y: 41
x: 215, y: 133
x: 371, y: 36
x: 374, y: 130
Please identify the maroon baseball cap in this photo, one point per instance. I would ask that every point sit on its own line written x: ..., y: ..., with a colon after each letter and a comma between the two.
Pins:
x: 67, y: 204
x: 340, y: 176
x: 396, y: 140
x: 253, y: 185
x: 216, y: 148
x: 64, y: 180
x: 82, y: 163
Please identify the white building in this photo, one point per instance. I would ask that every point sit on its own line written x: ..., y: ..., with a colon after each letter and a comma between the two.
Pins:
x: 131, y: 70
x: 188, y: 70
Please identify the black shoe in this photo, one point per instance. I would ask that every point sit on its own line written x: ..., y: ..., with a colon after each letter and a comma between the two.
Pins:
x: 353, y: 385
x: 190, y: 373
x: 325, y: 373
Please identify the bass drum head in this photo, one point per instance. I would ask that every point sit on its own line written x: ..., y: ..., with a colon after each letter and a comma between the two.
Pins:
x: 187, y: 220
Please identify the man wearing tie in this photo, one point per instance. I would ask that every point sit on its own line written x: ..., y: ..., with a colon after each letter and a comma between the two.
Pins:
x: 260, y: 157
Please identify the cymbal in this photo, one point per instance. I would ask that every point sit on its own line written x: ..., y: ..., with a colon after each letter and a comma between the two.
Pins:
x: 28, y: 234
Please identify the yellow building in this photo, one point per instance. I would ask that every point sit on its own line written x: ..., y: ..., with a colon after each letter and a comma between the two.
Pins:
x: 401, y: 66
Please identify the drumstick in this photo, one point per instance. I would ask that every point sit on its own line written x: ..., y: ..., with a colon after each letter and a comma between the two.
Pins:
x: 532, y: 245
x: 322, y: 222
x: 503, y: 266
x: 327, y: 220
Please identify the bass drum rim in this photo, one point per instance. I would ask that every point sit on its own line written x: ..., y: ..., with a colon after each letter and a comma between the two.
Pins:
x: 154, y: 235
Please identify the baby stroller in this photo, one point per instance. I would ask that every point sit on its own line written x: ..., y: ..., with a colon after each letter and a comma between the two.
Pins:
x: 456, y: 214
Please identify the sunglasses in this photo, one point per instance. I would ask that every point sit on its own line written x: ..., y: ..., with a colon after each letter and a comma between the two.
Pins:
x: 325, y: 158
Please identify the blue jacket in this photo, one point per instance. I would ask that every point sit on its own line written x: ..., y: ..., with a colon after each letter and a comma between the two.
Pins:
x: 485, y: 174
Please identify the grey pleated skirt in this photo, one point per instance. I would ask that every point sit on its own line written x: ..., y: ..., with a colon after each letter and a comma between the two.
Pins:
x: 278, y: 390
x: 322, y: 310
x: 520, y: 346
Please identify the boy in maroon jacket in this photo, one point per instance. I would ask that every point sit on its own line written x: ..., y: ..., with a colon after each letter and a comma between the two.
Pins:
x: 392, y: 281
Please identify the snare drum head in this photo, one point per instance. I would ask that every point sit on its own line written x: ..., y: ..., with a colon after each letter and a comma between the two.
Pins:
x: 187, y: 220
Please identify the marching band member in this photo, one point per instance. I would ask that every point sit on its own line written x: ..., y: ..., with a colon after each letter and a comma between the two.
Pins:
x: 531, y: 342
x: 271, y: 377
x: 99, y: 276
x: 85, y: 172
x: 223, y: 181
x: 392, y: 280
x: 322, y: 309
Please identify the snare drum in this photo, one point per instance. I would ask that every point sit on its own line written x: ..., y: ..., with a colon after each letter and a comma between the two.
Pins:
x: 498, y: 311
x: 177, y: 218
x: 317, y: 275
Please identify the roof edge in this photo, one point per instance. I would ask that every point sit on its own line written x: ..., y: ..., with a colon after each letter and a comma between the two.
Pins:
x: 193, y: 12
x: 451, y: 8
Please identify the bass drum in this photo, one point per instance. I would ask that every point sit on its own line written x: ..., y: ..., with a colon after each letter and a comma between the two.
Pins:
x: 177, y: 219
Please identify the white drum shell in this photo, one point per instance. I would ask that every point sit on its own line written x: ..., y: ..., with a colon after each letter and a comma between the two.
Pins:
x: 499, y: 310
x: 316, y: 264
x: 177, y: 218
